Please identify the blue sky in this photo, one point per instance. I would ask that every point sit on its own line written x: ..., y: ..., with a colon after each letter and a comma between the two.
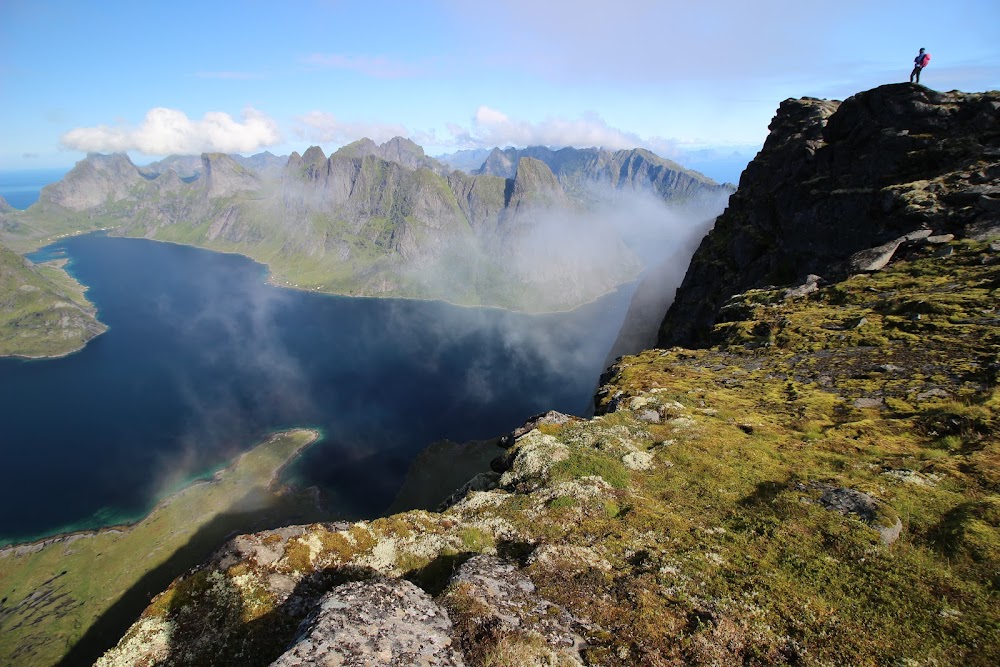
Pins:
x: 155, y: 78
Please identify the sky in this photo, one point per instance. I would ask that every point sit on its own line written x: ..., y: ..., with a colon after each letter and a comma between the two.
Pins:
x: 153, y: 79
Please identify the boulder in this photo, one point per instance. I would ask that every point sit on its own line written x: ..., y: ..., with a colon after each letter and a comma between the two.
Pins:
x: 378, y: 622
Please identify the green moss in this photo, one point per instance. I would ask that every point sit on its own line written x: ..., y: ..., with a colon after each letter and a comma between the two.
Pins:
x: 563, y: 502
x: 585, y: 463
x: 475, y: 539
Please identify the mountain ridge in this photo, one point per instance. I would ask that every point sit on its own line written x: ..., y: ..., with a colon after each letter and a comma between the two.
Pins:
x: 373, y: 220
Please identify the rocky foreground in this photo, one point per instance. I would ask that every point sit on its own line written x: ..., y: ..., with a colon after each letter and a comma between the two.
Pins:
x: 817, y: 483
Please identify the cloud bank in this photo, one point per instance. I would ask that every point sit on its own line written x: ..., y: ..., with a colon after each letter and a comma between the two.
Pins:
x: 324, y: 127
x: 169, y: 131
x: 491, y: 127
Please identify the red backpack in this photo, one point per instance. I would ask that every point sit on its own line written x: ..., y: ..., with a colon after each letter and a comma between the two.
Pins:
x: 925, y: 60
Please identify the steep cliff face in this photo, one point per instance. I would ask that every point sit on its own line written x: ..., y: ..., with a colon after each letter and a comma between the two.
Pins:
x: 224, y: 177
x: 835, y: 179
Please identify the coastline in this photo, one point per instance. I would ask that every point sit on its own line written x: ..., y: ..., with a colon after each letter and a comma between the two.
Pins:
x: 79, y: 298
x: 271, y: 280
x: 69, y: 536
x: 72, y: 595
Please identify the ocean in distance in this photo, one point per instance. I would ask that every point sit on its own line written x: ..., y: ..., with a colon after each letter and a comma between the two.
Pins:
x: 20, y: 188
x: 203, y: 359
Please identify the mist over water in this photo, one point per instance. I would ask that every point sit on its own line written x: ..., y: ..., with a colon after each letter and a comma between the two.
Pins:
x: 203, y: 359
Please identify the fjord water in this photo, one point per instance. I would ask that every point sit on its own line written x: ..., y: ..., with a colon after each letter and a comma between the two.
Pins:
x: 203, y: 358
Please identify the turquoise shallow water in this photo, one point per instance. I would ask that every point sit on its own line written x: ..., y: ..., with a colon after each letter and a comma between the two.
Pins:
x: 203, y: 359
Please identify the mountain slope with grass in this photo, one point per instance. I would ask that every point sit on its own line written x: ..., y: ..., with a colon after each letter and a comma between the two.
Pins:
x: 817, y: 482
x: 373, y: 220
x: 43, y: 311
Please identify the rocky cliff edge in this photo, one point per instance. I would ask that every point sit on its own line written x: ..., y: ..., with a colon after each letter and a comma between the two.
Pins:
x: 819, y: 485
x: 838, y: 186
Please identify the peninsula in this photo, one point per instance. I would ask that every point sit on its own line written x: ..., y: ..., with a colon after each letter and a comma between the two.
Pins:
x: 67, y: 593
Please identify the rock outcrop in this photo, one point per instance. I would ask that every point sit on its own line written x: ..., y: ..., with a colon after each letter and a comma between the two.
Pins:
x: 388, y: 622
x: 840, y: 186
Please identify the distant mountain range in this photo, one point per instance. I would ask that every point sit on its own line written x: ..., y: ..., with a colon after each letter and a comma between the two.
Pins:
x: 380, y: 219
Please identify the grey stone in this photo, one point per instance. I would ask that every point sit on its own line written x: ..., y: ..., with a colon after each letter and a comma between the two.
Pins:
x: 869, y: 403
x: 387, y: 622
x: 650, y: 416
x: 808, y: 287
x: 932, y: 393
x: 507, y: 601
x: 863, y: 506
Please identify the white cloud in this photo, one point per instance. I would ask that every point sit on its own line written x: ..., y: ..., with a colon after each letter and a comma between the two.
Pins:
x: 378, y: 67
x: 491, y: 127
x: 169, y: 131
x: 323, y: 127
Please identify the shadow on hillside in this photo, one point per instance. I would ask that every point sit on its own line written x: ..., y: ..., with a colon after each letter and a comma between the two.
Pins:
x: 112, y: 624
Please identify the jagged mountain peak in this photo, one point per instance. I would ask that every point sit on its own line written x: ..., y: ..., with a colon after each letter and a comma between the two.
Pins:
x: 224, y: 176
x: 94, y: 180
x: 313, y: 155
x: 536, y: 185
x: 399, y: 150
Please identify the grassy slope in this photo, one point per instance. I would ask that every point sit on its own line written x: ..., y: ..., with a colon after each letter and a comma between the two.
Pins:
x: 43, y: 311
x: 52, y: 596
x: 684, y: 525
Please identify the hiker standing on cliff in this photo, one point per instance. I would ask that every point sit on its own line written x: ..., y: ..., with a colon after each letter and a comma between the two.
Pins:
x: 919, y: 63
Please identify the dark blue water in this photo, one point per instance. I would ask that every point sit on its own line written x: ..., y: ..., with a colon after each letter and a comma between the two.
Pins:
x: 203, y: 358
x: 21, y: 188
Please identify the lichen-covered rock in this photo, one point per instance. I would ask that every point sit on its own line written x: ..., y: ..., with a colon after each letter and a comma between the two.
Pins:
x: 866, y: 508
x: 379, y: 622
x: 499, y: 611
x: 531, y: 461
